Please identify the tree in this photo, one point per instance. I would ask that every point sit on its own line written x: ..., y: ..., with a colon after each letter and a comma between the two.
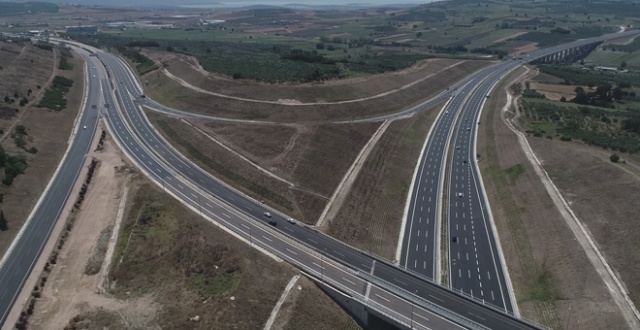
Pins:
x: 623, y: 64
x: 3, y: 222
x: 617, y: 93
x: 614, y: 158
x: 581, y: 96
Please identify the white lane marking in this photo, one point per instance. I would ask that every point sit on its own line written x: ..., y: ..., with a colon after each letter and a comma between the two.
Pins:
x: 346, y: 280
x: 267, y: 238
x: 381, y: 297
x: 397, y: 280
x: 227, y: 216
x: 420, y: 316
x: 317, y: 265
x: 291, y: 251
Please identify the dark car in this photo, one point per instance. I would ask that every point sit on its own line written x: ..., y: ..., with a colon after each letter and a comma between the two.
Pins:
x: 273, y: 222
x: 454, y: 239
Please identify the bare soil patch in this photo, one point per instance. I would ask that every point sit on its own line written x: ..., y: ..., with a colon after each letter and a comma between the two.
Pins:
x: 69, y: 290
x: 371, y: 215
x: 553, y: 280
x: 302, y: 154
x: 511, y: 36
x: 526, y: 48
x: 170, y: 92
x: 48, y: 132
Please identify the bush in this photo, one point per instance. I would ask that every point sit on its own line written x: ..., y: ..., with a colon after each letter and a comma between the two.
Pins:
x: 614, y: 158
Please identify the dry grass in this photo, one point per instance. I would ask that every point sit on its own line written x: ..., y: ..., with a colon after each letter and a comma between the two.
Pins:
x: 99, y: 318
x: 187, y: 68
x: 48, y: 131
x: 191, y: 268
x: 370, y: 217
x: 303, y: 155
x: 169, y: 92
x: 310, y: 308
x: 554, y: 282
x: 555, y: 92
x: 604, y: 196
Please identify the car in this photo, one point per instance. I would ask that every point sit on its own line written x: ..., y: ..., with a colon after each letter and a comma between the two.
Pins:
x: 267, y: 214
x: 94, y: 75
x: 457, y: 147
x: 273, y: 222
x: 84, y: 127
x: 464, y: 161
x: 468, y: 128
x: 454, y: 239
x: 460, y: 195
x: 291, y: 221
x: 142, y: 96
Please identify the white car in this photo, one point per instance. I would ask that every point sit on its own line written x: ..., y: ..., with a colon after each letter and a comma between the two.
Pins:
x: 291, y: 221
x: 84, y: 127
x: 460, y: 195
x: 267, y: 214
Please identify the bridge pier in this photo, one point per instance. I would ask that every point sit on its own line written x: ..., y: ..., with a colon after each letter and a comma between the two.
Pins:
x: 567, y: 55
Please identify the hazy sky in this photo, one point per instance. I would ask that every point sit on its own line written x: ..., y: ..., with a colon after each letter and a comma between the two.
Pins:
x: 237, y: 3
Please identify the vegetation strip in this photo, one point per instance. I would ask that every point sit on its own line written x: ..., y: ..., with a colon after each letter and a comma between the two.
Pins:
x: 541, y: 291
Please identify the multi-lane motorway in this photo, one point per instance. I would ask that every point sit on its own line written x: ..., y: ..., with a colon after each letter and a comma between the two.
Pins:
x: 228, y: 207
x: 199, y: 184
x: 475, y: 266
x: 421, y: 246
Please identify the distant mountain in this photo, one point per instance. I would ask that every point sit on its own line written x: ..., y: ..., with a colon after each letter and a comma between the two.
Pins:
x: 253, y: 4
x: 21, y: 8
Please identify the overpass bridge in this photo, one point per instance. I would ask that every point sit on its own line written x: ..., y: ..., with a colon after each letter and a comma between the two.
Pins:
x: 568, y: 55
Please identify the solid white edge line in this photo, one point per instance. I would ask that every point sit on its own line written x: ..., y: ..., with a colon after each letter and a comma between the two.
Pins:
x: 46, y: 190
x: 507, y: 278
x: 413, y: 182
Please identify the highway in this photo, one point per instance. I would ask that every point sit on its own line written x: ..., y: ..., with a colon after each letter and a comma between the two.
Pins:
x: 202, y: 190
x: 474, y: 259
x: 421, y: 244
x: 19, y: 260
x: 214, y: 199
x: 475, y: 266
x: 141, y: 143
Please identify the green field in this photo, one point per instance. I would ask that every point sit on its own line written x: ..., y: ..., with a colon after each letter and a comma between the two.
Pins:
x: 259, y: 44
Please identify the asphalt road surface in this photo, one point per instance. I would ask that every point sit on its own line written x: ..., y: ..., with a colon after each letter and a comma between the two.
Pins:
x: 176, y: 172
x: 205, y: 190
x: 20, y: 259
x: 474, y: 261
